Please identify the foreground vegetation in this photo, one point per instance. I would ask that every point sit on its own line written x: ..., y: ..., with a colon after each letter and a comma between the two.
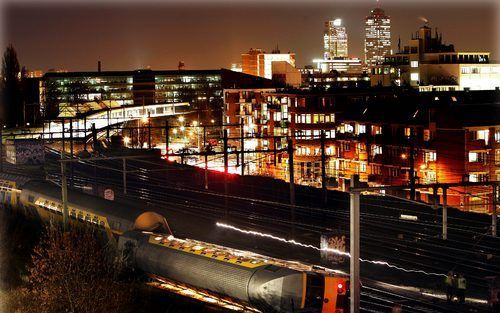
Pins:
x: 47, y: 270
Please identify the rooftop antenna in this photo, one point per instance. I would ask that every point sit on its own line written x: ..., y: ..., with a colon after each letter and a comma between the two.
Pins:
x: 399, y: 44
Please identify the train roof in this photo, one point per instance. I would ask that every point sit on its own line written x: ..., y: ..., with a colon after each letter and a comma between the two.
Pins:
x: 90, y: 202
x: 18, y: 179
x: 233, y: 256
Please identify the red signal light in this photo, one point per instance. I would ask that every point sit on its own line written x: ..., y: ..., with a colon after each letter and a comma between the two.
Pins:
x: 340, y: 288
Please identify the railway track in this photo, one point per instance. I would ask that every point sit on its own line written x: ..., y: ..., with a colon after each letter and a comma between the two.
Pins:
x: 380, y: 232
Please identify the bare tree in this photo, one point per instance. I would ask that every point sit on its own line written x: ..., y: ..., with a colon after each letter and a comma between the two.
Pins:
x: 74, y: 272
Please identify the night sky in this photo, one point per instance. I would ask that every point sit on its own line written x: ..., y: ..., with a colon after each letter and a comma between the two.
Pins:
x: 134, y: 35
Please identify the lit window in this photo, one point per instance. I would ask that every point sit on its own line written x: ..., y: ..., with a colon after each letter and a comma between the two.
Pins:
x: 414, y: 76
x: 483, y: 135
x: 362, y: 167
x: 361, y: 129
x: 472, y: 156
x: 431, y: 156
x: 414, y: 64
x: 376, y: 150
x: 497, y: 135
x: 478, y: 177
x: 407, y: 131
x: 376, y: 130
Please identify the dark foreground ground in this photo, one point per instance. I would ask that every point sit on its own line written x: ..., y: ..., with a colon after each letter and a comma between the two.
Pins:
x: 18, y: 237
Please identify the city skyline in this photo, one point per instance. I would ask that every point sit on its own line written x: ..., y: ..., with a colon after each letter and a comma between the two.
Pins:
x: 295, y: 28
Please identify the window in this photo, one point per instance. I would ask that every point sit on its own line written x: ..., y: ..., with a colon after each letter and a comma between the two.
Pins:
x: 407, y: 131
x: 394, y: 171
x: 478, y: 156
x: 376, y: 130
x: 430, y: 156
x: 414, y: 76
x: 497, y: 135
x: 347, y: 146
x: 376, y: 150
x: 466, y: 70
x: 497, y: 157
x: 376, y: 170
x: 362, y: 167
x: 414, y: 64
x: 481, y: 135
x: 361, y: 129
x: 478, y: 177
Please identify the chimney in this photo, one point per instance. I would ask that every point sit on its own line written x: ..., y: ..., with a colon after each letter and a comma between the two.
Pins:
x: 181, y: 65
x: 98, y: 66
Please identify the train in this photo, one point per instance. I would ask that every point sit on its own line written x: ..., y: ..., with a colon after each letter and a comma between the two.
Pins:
x: 144, y: 240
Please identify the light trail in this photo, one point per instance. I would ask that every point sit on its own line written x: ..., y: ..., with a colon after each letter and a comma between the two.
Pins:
x: 335, y: 251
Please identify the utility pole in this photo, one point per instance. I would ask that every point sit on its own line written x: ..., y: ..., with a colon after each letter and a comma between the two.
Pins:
x: 62, y: 138
x: 242, y: 134
x: 323, y: 169
x: 354, y: 248
x: 1, y: 148
x: 291, y: 174
x: 274, y: 154
x: 494, y: 217
x: 124, y: 168
x: 94, y: 148
x: 94, y: 138
x: 64, y: 195
x: 167, y: 139
x: 85, y: 133
x: 206, y: 169
x: 71, y: 150
x: 225, y: 152
x: 225, y: 173
x: 149, y: 130
x: 445, y: 214
x: 412, y: 165
x: 107, y: 128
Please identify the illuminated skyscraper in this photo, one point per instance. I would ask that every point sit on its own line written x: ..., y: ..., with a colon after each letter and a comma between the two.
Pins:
x: 335, y: 40
x: 377, y: 37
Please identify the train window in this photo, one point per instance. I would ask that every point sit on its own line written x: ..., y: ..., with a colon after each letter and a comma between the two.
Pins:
x: 314, y: 291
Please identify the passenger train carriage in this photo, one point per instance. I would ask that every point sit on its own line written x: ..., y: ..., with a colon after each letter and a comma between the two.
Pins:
x: 268, y: 284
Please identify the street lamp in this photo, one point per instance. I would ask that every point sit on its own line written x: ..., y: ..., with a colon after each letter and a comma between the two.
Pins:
x: 181, y: 119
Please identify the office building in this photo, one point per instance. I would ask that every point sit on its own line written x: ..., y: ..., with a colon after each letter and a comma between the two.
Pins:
x: 377, y: 37
x: 71, y: 93
x: 335, y: 40
x: 259, y: 63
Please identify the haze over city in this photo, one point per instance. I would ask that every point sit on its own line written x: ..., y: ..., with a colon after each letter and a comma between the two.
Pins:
x: 204, y: 35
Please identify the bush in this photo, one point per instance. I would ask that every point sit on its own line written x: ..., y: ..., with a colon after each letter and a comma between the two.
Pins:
x: 74, y: 272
